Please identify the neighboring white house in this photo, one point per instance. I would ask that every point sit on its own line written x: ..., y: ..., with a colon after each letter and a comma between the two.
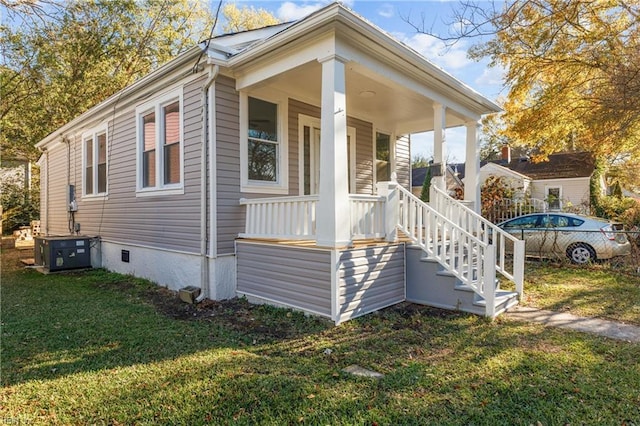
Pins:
x: 563, y: 180
x: 275, y: 164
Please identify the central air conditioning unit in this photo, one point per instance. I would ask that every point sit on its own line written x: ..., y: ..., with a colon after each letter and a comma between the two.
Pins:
x: 62, y: 253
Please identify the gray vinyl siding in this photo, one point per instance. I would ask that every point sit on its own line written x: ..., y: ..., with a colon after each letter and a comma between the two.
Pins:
x: 364, y: 155
x: 295, y: 109
x: 364, y: 148
x: 370, y: 279
x: 230, y: 214
x: 403, y: 161
x: 294, y: 276
x: 162, y: 221
x: 56, y: 165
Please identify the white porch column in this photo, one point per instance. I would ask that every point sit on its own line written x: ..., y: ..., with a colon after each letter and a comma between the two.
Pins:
x: 333, y: 211
x: 472, y: 165
x: 439, y: 143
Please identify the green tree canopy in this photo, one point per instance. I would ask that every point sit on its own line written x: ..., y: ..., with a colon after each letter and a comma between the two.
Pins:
x: 571, y: 70
x: 245, y: 18
x: 78, y: 54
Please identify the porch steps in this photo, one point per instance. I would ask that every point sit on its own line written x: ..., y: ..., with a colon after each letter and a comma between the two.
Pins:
x: 428, y: 283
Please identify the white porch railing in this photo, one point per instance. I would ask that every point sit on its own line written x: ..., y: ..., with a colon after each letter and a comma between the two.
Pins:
x: 367, y: 216
x: 512, y: 267
x: 460, y: 252
x: 294, y: 218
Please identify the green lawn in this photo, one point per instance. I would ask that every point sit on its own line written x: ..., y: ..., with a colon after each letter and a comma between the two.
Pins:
x: 100, y: 348
x: 592, y: 292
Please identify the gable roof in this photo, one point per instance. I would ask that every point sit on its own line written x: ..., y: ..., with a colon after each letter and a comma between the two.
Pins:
x: 240, y: 49
x: 358, y: 30
x: 453, y: 174
x: 559, y: 166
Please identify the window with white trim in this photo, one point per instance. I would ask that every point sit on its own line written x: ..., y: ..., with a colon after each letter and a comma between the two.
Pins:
x: 160, y: 145
x: 95, y: 162
x: 263, y: 148
x: 554, y: 197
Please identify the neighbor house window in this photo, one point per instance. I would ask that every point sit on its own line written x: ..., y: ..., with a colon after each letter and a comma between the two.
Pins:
x: 554, y: 197
x: 383, y: 157
x: 160, y: 145
x: 264, y: 167
x: 95, y: 162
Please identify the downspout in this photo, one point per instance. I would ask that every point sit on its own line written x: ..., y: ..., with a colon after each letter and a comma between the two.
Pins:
x: 204, y: 184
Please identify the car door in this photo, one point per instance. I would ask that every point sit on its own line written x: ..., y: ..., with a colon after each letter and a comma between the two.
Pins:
x: 526, y: 228
x: 553, y: 229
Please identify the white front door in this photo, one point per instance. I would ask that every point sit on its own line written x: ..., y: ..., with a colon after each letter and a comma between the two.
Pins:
x: 309, y: 155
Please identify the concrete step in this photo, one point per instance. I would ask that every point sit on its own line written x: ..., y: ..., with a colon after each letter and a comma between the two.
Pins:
x: 503, y: 301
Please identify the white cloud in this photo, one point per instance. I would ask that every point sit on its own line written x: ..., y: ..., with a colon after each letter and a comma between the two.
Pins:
x: 291, y: 11
x: 386, y: 10
x: 449, y: 58
x: 491, y: 76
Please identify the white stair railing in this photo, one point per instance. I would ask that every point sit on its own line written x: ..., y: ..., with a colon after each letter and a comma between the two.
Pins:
x: 510, y: 267
x: 461, y: 253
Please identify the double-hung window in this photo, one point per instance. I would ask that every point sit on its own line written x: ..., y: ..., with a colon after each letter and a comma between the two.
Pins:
x: 95, y: 162
x: 160, y: 145
x: 263, y: 149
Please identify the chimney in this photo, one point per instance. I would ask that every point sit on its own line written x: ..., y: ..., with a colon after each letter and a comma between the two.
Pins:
x: 506, y: 153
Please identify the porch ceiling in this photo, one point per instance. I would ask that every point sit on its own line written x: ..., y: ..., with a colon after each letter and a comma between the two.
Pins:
x: 388, y: 105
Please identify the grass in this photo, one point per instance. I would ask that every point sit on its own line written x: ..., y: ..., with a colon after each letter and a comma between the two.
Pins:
x: 101, y: 348
x: 584, y: 291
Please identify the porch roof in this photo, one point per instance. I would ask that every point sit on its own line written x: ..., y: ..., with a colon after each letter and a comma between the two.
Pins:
x: 405, y: 83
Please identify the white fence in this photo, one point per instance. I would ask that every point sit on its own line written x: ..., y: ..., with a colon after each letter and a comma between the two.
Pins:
x: 506, y: 209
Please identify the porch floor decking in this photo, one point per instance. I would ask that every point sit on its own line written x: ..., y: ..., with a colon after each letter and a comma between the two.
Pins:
x: 373, y: 242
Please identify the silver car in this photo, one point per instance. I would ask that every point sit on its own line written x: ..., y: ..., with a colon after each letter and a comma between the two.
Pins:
x: 582, y: 239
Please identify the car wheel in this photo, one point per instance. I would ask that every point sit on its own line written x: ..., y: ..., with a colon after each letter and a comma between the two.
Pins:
x: 581, y: 253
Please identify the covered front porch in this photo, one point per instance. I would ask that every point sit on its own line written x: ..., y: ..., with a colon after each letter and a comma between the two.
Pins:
x: 443, y: 255
x: 325, y: 128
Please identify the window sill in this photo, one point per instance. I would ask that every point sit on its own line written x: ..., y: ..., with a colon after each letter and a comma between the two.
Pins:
x: 157, y: 192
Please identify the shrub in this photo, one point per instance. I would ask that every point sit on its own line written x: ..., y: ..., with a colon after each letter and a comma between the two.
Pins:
x: 19, y: 205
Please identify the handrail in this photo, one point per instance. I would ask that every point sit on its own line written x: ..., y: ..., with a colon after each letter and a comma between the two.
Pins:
x: 488, y: 232
x: 457, y: 250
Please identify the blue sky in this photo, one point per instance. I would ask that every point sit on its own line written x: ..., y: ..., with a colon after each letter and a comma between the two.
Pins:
x: 388, y: 16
